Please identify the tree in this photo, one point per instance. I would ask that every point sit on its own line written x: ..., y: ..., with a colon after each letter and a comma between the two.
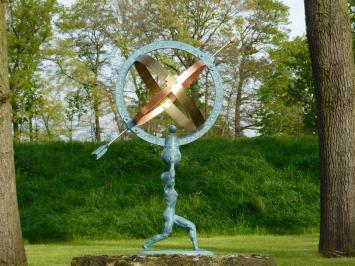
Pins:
x: 256, y: 31
x: 29, y: 29
x: 83, y: 27
x: 11, y: 247
x: 258, y: 27
x: 199, y: 23
x: 74, y: 111
x: 287, y: 92
x: 330, y: 44
x: 49, y: 117
x: 208, y: 25
x: 141, y: 22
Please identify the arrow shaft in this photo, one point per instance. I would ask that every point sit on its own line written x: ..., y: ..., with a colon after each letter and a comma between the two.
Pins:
x: 231, y: 40
x: 119, y: 135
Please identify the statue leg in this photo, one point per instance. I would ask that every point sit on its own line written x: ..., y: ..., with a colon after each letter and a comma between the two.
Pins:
x: 184, y: 223
x: 168, y: 227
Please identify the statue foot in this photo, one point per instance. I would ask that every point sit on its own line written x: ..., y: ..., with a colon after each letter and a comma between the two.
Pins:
x: 145, y: 247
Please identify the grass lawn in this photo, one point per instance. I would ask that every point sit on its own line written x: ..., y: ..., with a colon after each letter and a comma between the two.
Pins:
x: 266, y: 185
x: 286, y: 250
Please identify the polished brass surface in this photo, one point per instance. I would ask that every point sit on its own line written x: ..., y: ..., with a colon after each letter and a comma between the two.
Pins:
x: 163, y: 100
x: 172, y: 110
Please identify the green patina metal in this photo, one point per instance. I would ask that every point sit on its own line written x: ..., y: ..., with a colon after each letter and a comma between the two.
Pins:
x: 171, y: 154
x: 209, y: 61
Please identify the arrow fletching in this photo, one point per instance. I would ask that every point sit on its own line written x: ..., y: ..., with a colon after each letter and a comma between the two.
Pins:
x: 100, y: 151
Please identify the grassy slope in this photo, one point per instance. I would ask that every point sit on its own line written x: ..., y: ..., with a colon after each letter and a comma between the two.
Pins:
x: 297, y: 250
x: 225, y: 187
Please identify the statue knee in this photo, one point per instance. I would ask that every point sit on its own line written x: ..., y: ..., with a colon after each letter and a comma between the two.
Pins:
x: 165, y: 235
x: 192, y: 227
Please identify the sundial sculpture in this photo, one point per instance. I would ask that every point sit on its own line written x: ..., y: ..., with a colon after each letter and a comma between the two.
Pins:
x: 163, y: 100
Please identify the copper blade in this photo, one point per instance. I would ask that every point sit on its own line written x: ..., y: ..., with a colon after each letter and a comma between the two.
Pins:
x: 141, y: 66
x: 185, y: 79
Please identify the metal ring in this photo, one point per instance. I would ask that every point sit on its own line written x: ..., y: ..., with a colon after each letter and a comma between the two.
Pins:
x: 206, y: 58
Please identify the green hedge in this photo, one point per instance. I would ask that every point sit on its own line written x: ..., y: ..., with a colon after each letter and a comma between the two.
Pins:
x: 265, y: 185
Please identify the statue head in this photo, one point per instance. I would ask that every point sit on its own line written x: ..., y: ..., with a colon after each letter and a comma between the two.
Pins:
x: 172, y: 129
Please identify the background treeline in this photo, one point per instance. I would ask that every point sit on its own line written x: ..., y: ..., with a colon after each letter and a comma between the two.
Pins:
x: 63, y: 62
x: 258, y: 185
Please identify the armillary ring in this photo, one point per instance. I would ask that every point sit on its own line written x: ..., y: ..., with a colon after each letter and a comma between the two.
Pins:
x: 163, y: 98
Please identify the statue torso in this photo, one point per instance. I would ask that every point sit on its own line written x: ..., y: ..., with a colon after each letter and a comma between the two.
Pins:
x: 170, y: 194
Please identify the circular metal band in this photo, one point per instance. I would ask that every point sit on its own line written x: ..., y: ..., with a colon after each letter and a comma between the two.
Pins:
x: 175, y: 89
x: 208, y: 61
x: 173, y: 111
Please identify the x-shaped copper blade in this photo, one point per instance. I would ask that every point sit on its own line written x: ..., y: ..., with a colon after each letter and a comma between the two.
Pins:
x: 163, y: 99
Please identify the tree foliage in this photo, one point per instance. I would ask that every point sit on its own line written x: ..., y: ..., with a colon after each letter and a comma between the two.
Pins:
x: 287, y: 94
x: 92, y: 38
x: 208, y: 25
x: 29, y: 30
x: 258, y: 27
x: 84, y: 51
x: 352, y: 20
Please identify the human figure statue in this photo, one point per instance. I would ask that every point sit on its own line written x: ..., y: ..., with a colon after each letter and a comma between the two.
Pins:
x: 171, y: 156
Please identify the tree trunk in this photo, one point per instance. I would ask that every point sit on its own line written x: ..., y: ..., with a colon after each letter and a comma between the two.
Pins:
x: 112, y: 103
x: 11, y: 247
x: 15, y: 122
x: 97, y: 122
x: 71, y: 131
x: 30, y: 128
x: 96, y: 96
x: 46, y: 125
x: 15, y: 126
x: 238, y: 131
x: 329, y: 38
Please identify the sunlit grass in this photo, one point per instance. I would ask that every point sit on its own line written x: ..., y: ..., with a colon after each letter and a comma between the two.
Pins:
x: 286, y: 250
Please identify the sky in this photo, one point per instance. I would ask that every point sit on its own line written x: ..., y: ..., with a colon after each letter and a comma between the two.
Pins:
x: 297, y: 17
